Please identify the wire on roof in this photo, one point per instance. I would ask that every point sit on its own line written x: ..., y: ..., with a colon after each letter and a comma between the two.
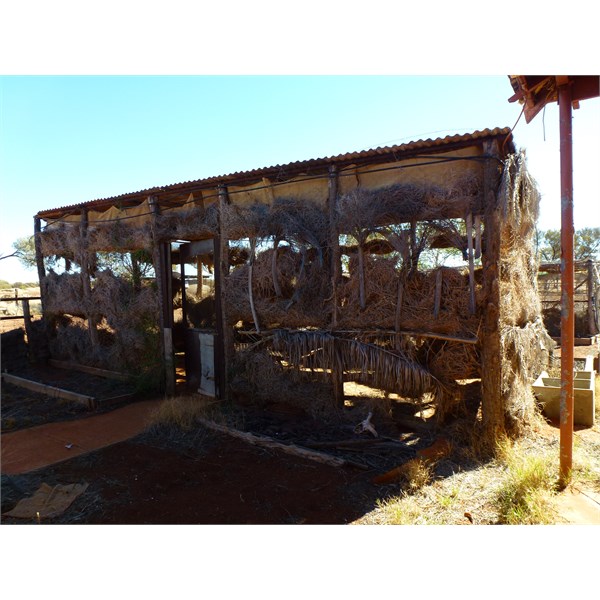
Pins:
x: 348, y: 172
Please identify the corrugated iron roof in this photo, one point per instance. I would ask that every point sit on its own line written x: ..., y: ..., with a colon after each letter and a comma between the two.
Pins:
x: 284, y: 172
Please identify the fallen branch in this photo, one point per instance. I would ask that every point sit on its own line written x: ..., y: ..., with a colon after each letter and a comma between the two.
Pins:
x: 268, y: 442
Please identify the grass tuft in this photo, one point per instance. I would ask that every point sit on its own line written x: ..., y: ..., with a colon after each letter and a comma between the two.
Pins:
x: 181, y: 412
x: 530, y: 482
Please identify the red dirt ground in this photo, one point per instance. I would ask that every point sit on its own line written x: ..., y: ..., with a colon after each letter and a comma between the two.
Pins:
x: 166, y: 476
x: 200, y: 478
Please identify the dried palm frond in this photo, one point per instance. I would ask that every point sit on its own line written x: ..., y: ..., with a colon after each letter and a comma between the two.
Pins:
x: 385, y: 368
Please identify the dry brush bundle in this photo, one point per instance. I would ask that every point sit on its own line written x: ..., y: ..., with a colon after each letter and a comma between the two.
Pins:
x: 61, y: 239
x: 302, y: 223
x: 452, y: 361
x: 71, y: 341
x: 119, y: 236
x: 195, y: 223
x: 64, y: 294
x: 261, y: 377
x: 526, y: 353
x: 124, y: 308
x: 381, y: 280
x: 518, y: 265
x: 301, y: 283
x: 404, y: 202
x: 238, y: 222
x: 519, y: 203
x: 396, y: 298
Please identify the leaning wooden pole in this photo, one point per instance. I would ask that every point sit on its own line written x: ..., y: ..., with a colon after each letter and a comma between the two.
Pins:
x: 567, y: 275
x: 250, y: 291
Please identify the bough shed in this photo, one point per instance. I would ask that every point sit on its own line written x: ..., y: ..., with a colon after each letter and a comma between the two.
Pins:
x: 408, y: 268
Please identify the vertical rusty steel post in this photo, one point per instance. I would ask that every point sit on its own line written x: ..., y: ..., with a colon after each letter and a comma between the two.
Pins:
x: 567, y: 320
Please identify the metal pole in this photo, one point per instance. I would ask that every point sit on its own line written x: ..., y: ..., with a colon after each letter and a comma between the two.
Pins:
x: 567, y: 321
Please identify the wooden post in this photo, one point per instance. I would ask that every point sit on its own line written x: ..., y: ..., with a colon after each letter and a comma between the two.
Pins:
x: 39, y: 258
x: 471, y: 264
x: 590, y: 298
x: 250, y: 294
x: 334, y: 242
x: 361, y: 275
x: 200, y: 280
x: 492, y: 401
x: 399, y: 300
x: 226, y: 348
x: 26, y: 313
x: 183, y: 292
x: 274, y: 272
x: 136, y: 274
x: 163, y: 271
x: 414, y: 256
x: 27, y: 321
x: 438, y: 293
x: 477, y: 236
x: 84, y: 262
x: 337, y: 370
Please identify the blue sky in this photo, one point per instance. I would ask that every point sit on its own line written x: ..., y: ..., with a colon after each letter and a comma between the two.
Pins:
x: 69, y: 139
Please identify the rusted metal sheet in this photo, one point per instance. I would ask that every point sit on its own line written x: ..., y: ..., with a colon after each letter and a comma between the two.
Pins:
x: 535, y: 91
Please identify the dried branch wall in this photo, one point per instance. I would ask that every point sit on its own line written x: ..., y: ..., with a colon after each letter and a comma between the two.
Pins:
x: 394, y: 315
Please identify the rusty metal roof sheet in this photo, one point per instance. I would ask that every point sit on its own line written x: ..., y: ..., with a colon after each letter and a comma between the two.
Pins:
x: 313, y: 166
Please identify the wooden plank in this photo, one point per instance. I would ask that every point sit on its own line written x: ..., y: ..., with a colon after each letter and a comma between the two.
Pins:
x: 412, y: 333
x: 197, y: 248
x: 49, y: 390
x: 60, y: 364
x: 207, y: 364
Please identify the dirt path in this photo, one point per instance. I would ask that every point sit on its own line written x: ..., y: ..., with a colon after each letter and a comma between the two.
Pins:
x: 35, y: 447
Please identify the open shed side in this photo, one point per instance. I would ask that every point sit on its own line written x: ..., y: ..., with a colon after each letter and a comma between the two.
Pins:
x: 409, y: 268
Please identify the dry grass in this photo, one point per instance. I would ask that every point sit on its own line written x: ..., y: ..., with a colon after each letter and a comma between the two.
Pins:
x: 181, y: 412
x: 519, y: 486
x: 524, y: 497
